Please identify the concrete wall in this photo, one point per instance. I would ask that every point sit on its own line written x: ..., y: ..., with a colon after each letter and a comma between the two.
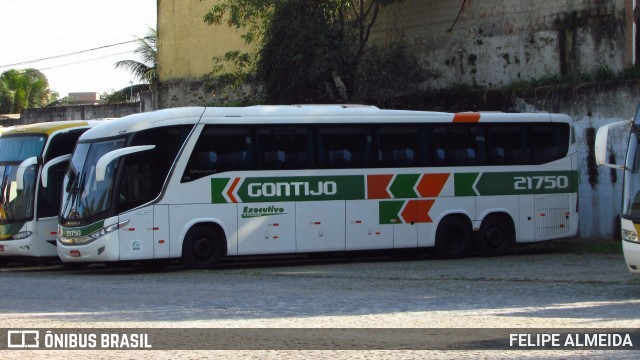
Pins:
x: 481, y: 43
x: 80, y: 112
x: 493, y: 43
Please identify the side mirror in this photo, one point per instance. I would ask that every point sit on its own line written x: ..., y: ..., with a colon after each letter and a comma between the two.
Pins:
x: 600, y: 148
x: 21, y: 169
x: 49, y: 164
x: 103, y: 162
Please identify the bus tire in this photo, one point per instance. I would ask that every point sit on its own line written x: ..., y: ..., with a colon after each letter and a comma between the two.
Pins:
x: 202, y: 248
x: 495, y: 236
x: 453, y: 238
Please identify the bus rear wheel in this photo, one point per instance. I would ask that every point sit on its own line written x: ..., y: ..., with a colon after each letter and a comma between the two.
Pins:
x: 495, y: 236
x: 453, y: 238
x: 202, y: 248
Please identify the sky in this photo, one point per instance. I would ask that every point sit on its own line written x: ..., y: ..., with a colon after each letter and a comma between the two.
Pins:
x: 38, y: 29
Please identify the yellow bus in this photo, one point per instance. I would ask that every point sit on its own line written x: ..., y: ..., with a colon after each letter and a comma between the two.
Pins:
x: 33, y: 161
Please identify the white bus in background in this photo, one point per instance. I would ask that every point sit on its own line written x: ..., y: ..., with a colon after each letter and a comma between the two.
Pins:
x: 630, y: 215
x: 33, y: 161
x: 198, y: 184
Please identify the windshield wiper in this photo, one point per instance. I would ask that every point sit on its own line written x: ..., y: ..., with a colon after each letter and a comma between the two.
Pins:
x: 74, y: 190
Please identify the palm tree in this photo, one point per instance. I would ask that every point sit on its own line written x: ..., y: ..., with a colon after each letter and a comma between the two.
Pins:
x: 145, y: 70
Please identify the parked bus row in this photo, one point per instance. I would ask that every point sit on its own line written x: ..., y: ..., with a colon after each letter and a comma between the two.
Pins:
x: 199, y: 184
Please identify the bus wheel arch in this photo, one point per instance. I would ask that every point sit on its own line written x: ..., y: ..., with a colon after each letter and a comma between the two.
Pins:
x: 453, y: 236
x: 496, y: 234
x: 203, y: 246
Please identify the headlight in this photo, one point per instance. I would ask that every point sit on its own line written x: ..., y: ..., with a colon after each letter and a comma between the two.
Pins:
x: 631, y: 236
x: 107, y: 229
x: 21, y: 235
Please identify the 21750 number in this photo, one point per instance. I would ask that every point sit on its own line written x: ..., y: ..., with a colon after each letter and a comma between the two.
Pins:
x: 540, y: 182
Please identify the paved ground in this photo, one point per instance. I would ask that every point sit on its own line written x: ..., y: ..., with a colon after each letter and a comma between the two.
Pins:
x: 527, y: 290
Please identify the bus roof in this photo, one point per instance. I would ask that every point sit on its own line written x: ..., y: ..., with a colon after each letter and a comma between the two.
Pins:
x: 301, y: 114
x: 48, y: 128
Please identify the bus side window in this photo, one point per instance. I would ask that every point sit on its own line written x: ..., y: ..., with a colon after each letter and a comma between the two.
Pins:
x: 507, y: 144
x: 218, y: 149
x: 144, y: 173
x: 457, y: 145
x: 283, y: 147
x: 550, y: 142
x: 342, y: 147
x: 49, y: 198
x: 398, y: 146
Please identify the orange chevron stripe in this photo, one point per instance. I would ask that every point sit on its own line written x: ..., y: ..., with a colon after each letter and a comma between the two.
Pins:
x: 430, y: 185
x: 232, y: 188
x: 377, y: 186
x: 417, y: 211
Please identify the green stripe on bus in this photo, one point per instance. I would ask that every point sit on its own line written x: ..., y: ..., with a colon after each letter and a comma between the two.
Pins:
x: 217, y: 187
x: 390, y: 212
x: 81, y: 231
x: 403, y: 186
x: 516, y: 183
x: 298, y: 188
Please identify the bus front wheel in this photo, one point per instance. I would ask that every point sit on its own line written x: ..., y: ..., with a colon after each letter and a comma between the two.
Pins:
x: 202, y: 248
x: 495, y: 236
x: 453, y: 238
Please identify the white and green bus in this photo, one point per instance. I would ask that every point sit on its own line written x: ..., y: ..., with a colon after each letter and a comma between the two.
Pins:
x: 630, y: 215
x: 33, y: 162
x: 199, y: 184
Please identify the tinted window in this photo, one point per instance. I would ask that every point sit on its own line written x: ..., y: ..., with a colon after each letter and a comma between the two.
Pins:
x: 49, y: 198
x: 218, y: 149
x: 550, y: 142
x: 457, y: 145
x: 344, y: 147
x: 399, y: 146
x: 283, y: 148
x: 144, y: 173
x: 507, y: 145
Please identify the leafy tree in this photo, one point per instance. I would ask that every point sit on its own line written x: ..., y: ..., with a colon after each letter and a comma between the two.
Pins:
x: 6, y: 98
x: 291, y: 70
x: 311, y: 51
x: 20, y: 89
x: 145, y: 70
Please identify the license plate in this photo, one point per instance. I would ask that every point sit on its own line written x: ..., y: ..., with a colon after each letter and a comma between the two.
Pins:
x: 74, y: 253
x: 1, y: 247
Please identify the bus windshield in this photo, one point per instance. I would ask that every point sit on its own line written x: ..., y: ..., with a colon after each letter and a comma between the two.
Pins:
x: 19, y: 148
x: 17, y: 205
x: 83, y: 196
x: 631, y: 192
